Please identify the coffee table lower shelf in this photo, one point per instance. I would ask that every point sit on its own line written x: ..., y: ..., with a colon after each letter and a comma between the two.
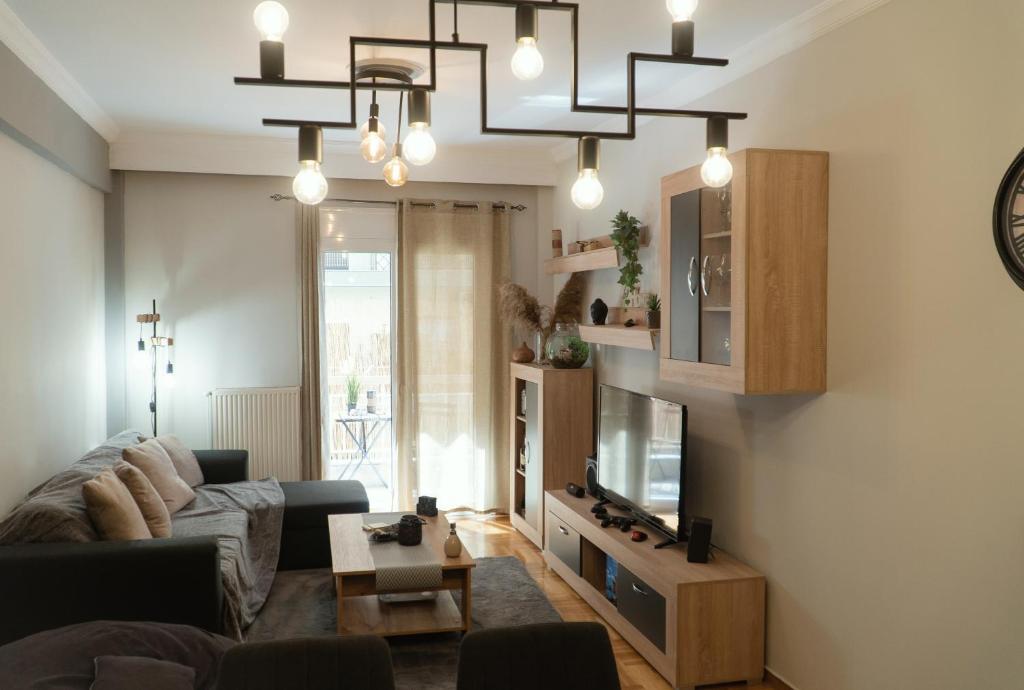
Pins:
x: 368, y: 616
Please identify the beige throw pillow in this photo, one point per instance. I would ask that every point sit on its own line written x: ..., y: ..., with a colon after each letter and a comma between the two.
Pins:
x: 152, y: 507
x: 184, y: 459
x: 152, y: 459
x: 112, y: 509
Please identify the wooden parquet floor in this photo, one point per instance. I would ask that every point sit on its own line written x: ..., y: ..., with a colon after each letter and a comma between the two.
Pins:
x: 496, y: 537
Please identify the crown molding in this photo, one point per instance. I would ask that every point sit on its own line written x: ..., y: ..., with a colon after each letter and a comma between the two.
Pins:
x: 30, y: 50
x: 786, y: 38
x: 250, y: 155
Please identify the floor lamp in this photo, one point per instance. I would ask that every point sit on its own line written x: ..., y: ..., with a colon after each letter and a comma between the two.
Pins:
x: 155, y: 343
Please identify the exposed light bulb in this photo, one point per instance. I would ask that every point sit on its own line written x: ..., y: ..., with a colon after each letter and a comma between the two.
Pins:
x: 717, y: 170
x: 396, y: 172
x: 365, y: 129
x: 374, y: 148
x: 310, y: 185
x: 587, y: 192
x: 527, y: 62
x: 681, y: 10
x: 419, y: 145
x: 271, y: 18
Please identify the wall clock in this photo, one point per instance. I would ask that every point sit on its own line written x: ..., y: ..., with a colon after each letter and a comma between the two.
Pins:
x: 1008, y: 221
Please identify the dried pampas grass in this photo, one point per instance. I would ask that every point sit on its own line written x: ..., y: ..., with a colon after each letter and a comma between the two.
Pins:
x: 569, y: 305
x: 517, y: 306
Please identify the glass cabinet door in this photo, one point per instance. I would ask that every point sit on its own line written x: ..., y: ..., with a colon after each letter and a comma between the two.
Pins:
x: 716, y: 276
x: 701, y: 276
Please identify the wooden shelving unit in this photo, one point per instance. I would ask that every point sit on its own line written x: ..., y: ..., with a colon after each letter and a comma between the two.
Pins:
x: 635, y: 337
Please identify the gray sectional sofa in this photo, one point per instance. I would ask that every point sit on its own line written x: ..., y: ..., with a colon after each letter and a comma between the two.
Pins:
x: 214, y: 572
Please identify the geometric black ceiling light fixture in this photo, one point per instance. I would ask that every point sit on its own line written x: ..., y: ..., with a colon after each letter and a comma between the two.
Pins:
x: 419, y: 148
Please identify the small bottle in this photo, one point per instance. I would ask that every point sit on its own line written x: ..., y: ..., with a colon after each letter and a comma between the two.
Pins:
x: 452, y: 545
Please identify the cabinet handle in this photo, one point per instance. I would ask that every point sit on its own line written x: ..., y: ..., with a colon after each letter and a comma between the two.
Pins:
x: 705, y: 276
x: 528, y: 453
x: 691, y: 277
x: 563, y: 530
x: 639, y: 590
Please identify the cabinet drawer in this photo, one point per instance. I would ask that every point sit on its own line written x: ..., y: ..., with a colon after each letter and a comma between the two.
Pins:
x: 564, y: 543
x: 642, y: 606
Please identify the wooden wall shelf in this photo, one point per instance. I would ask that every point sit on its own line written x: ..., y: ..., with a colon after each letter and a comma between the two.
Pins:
x: 583, y: 261
x: 595, y: 259
x: 636, y: 337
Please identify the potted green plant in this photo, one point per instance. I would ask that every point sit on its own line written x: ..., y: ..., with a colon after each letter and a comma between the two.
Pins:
x: 352, y: 389
x: 653, y: 311
x: 626, y: 238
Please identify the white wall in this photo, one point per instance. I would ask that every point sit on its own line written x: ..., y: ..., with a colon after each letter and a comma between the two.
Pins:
x: 887, y: 513
x: 218, y: 255
x: 52, y: 397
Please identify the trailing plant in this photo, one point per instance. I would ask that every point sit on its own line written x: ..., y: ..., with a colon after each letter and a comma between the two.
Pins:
x: 626, y: 238
x: 352, y: 387
x: 653, y: 302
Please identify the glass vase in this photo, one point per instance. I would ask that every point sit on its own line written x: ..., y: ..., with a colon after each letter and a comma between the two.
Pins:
x: 565, y: 349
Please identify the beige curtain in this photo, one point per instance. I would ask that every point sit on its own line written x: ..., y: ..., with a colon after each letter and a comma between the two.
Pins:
x: 307, y: 226
x: 453, y: 354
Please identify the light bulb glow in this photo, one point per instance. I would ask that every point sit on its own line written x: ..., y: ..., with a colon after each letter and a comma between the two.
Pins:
x: 681, y: 10
x: 373, y: 148
x: 419, y: 146
x: 717, y: 170
x: 527, y: 62
x: 271, y: 18
x: 396, y: 172
x: 364, y: 131
x: 310, y: 185
x: 587, y: 192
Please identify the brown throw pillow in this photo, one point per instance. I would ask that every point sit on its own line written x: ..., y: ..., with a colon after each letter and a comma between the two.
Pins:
x: 112, y: 509
x: 152, y: 459
x: 152, y: 507
x: 184, y: 459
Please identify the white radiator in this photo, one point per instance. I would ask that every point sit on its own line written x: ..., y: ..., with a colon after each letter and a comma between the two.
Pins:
x: 263, y: 421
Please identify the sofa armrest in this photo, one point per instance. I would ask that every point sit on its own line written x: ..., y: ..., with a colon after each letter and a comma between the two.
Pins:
x: 223, y: 466
x: 46, y: 586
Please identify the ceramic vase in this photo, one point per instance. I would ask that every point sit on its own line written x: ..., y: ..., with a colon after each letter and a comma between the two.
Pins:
x: 452, y: 545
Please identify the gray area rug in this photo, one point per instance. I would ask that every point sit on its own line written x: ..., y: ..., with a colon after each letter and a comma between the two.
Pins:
x: 302, y: 604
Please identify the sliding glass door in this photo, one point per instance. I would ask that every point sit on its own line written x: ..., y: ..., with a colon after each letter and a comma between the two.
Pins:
x: 358, y: 338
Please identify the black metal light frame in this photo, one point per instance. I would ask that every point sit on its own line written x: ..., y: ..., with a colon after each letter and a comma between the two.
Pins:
x: 630, y: 110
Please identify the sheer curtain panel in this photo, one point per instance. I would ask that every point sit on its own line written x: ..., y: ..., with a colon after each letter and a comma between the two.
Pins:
x: 453, y: 355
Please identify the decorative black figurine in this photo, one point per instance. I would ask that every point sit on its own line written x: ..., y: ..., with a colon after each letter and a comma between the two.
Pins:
x: 599, y: 312
x: 427, y: 506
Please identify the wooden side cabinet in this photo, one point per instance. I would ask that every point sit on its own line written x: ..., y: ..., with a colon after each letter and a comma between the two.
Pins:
x: 744, y: 275
x: 552, y: 433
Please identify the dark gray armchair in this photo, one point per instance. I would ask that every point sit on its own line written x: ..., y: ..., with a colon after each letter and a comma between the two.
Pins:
x: 326, y: 663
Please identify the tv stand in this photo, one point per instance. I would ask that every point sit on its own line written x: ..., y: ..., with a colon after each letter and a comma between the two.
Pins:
x: 695, y: 623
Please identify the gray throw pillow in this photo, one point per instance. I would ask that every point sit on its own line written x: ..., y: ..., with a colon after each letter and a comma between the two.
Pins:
x: 134, y: 672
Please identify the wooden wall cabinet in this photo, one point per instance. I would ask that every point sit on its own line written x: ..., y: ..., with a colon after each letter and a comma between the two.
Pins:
x: 551, y: 437
x: 744, y: 275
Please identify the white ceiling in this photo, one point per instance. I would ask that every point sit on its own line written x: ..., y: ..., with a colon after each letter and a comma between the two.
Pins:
x: 167, y: 67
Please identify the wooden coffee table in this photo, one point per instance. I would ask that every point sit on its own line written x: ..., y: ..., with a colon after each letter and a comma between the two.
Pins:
x: 360, y: 611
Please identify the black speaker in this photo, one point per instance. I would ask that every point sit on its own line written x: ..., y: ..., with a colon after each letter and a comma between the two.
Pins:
x: 592, y: 475
x: 699, y: 545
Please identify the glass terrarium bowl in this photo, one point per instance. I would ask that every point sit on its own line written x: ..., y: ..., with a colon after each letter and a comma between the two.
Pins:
x: 565, y: 348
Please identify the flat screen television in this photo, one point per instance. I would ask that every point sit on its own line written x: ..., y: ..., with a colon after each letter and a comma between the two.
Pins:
x: 641, y: 457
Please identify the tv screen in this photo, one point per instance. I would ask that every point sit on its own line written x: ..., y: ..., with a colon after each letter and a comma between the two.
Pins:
x: 641, y: 455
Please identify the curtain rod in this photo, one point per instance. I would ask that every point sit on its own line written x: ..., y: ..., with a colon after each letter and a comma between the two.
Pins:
x: 497, y: 206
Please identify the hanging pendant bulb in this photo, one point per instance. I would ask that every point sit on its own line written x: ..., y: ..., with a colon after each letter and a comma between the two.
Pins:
x: 310, y: 185
x: 527, y: 62
x: 373, y: 146
x: 717, y: 169
x: 396, y: 172
x: 681, y: 10
x: 419, y: 145
x: 271, y: 18
x: 587, y: 192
